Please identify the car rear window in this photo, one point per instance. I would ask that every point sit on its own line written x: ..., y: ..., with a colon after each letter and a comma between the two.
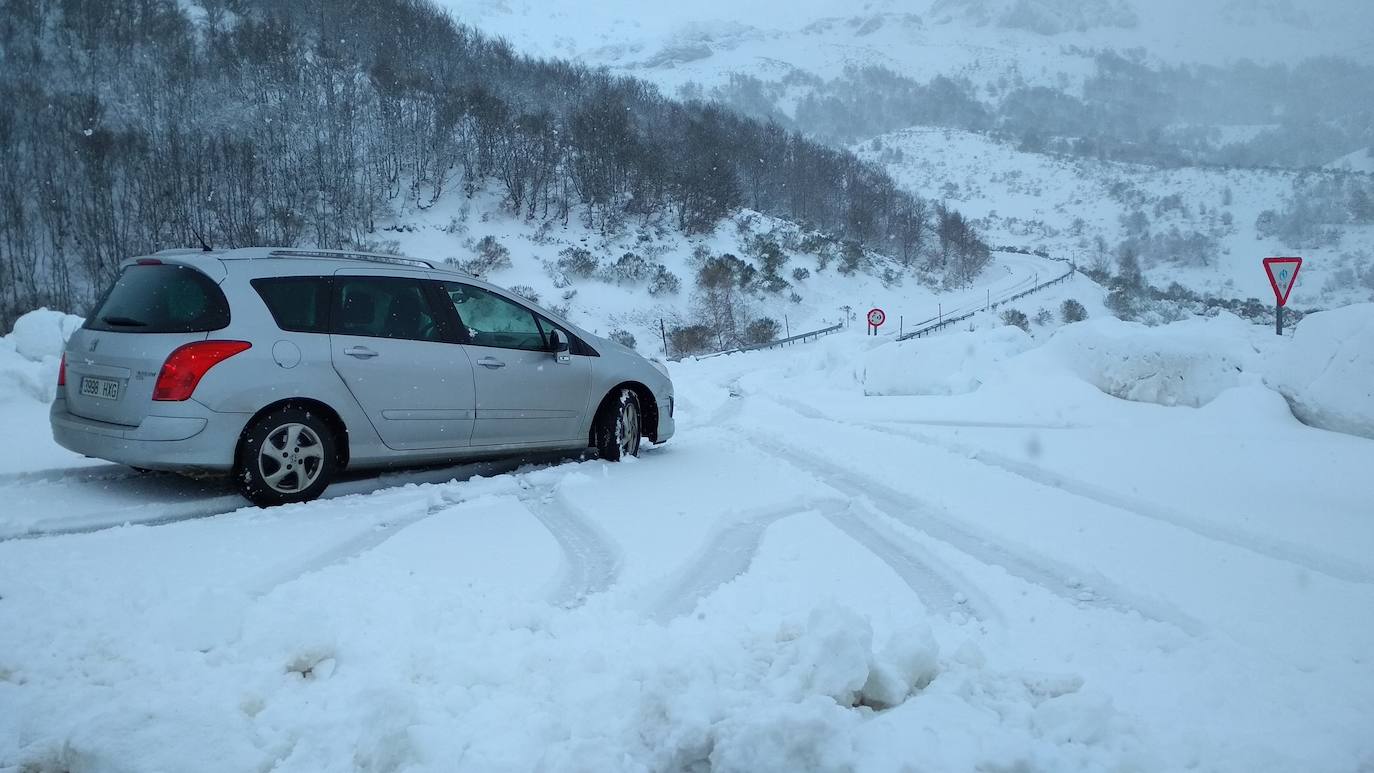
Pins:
x: 163, y: 298
x: 299, y: 303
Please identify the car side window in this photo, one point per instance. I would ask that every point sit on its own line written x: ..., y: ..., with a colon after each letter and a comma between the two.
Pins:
x: 491, y: 320
x: 383, y: 307
x: 298, y: 303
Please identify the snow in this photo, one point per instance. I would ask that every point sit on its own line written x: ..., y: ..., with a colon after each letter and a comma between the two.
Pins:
x: 944, y: 365
x: 1185, y: 363
x: 1327, y: 371
x: 29, y: 355
x: 1008, y: 566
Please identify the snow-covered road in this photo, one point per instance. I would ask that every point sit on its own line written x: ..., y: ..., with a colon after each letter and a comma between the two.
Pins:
x: 1031, y: 576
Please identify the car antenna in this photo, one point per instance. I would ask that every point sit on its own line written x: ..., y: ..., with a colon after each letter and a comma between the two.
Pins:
x: 204, y: 246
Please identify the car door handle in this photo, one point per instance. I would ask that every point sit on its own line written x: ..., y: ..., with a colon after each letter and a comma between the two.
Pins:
x: 361, y: 352
x: 491, y: 362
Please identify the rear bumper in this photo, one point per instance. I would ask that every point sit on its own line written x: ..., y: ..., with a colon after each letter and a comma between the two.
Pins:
x: 200, y: 439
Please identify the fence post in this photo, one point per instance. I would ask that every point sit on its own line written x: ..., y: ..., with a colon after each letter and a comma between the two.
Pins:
x: 664, y: 332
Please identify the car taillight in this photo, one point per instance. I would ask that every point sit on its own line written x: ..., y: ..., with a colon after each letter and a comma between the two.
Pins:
x: 184, y: 367
x: 62, y: 371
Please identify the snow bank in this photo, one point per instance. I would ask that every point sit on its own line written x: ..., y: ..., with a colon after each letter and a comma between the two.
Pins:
x: 30, y: 354
x: 1326, y: 371
x: 1185, y: 363
x: 43, y: 333
x: 943, y: 365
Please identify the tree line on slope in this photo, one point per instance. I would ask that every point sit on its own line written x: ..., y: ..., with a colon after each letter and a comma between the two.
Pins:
x: 139, y: 125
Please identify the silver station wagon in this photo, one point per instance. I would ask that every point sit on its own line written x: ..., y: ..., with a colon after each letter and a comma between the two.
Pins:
x: 284, y: 366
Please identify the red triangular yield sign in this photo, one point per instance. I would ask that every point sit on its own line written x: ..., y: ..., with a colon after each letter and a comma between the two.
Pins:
x: 1283, y: 273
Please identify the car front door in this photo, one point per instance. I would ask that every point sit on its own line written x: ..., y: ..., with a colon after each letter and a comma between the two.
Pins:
x: 401, y: 359
x: 526, y: 392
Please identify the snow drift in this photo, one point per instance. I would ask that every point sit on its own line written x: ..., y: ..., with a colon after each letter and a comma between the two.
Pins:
x: 30, y: 354
x: 1327, y: 371
x: 944, y: 365
x: 1186, y: 363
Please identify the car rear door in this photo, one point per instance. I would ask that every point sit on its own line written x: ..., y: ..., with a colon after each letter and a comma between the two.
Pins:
x: 526, y: 393
x: 401, y: 360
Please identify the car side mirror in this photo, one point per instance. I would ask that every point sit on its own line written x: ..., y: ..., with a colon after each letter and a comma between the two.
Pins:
x: 559, y: 346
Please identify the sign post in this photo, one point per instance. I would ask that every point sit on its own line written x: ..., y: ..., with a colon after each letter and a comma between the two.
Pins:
x: 1283, y: 274
x: 876, y: 318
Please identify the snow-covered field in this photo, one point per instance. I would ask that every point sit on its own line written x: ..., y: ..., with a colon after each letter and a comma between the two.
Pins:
x: 1111, y: 548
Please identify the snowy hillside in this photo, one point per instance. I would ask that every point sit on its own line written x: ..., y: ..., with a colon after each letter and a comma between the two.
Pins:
x: 817, y: 292
x: 1064, y: 205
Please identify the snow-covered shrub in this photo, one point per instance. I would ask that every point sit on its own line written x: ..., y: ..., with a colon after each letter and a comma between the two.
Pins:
x: 691, y: 339
x: 800, y: 273
x: 1043, y: 317
x: 761, y: 331
x: 526, y: 292
x: 943, y: 365
x: 664, y: 282
x: 491, y: 256
x: 622, y: 337
x: 1327, y: 371
x: 578, y: 262
x: 1072, y: 311
x: 630, y: 268
x: 1016, y: 318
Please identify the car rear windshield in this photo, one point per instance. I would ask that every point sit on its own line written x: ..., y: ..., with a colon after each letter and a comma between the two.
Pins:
x: 161, y: 298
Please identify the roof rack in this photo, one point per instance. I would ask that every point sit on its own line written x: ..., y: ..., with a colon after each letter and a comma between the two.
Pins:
x: 371, y: 257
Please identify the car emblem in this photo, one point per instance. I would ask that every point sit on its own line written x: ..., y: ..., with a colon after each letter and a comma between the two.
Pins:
x: 95, y: 344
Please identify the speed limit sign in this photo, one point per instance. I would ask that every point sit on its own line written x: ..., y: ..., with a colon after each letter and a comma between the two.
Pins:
x: 876, y: 318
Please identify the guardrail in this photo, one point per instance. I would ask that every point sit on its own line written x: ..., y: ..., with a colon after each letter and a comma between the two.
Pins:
x: 796, y: 339
x: 945, y: 320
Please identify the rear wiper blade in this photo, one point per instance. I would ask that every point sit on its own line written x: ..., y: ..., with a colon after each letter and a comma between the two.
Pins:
x: 124, y: 321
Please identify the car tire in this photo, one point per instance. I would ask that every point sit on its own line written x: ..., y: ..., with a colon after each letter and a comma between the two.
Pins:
x: 618, y: 426
x: 287, y: 455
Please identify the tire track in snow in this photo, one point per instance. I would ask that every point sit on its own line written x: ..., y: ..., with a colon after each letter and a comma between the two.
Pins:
x: 103, y: 473
x: 164, y: 513
x: 938, y: 524
x: 928, y: 577
x: 352, y: 547
x: 591, y: 559
x: 727, y: 554
x: 1279, y: 550
x: 731, y: 549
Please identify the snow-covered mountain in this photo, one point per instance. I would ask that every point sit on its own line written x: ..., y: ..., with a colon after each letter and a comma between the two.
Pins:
x: 922, y: 38
x: 1071, y: 206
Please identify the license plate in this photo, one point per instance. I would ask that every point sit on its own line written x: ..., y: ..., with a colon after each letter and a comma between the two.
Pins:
x: 104, y: 388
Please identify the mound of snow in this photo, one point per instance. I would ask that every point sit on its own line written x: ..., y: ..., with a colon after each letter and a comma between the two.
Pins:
x: 29, y: 356
x: 1326, y: 371
x: 1185, y: 363
x: 943, y: 365
x: 43, y: 333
